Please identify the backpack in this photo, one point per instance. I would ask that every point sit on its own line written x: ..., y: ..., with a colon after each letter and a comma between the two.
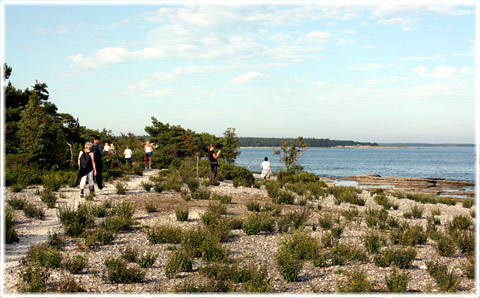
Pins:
x: 96, y: 152
x: 85, y: 160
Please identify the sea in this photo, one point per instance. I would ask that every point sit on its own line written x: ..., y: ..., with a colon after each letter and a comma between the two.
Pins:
x: 450, y: 163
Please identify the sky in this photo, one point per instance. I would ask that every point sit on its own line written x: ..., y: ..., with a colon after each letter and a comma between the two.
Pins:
x: 363, y: 71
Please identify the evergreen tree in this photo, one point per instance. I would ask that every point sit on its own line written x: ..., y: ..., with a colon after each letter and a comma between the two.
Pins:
x: 289, y: 155
x: 230, y: 146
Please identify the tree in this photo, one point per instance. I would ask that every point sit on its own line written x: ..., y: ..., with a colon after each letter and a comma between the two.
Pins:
x: 41, y: 138
x: 289, y: 155
x: 230, y: 146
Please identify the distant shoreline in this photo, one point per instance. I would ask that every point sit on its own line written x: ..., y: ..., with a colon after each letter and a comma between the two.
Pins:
x: 341, y: 147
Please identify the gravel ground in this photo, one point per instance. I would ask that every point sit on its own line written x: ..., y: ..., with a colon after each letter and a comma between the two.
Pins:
x: 259, y: 248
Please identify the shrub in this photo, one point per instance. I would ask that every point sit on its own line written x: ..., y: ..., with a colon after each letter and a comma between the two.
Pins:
x: 401, y: 257
x: 147, y: 260
x: 75, y: 221
x: 201, y: 195
x: 445, y: 246
x: 178, y: 262
x: 224, y: 199
x: 459, y: 223
x: 69, y: 285
x: 198, y: 242
x: 56, y: 240
x: 326, y: 221
x: 52, y: 181
x: 469, y: 268
x: 342, y: 253
x: 415, y: 212
x: 121, y: 188
x: 147, y: 186
x: 447, y: 281
x: 284, y: 197
x: 165, y: 234
x: 303, y: 177
x: 466, y: 242
x: 273, y: 188
x: 159, y: 187
x: 288, y: 266
x: 182, y: 214
x: 240, y: 174
x: 301, y: 245
x: 373, y: 241
x: 357, y: 282
x: 130, y: 254
x: 189, y: 286
x: 100, y: 236
x: 118, y: 272
x: 44, y: 255
x: 33, y: 212
x: 347, y: 194
x: 10, y: 233
x: 407, y: 235
x: 447, y: 201
x: 253, y: 206
x: 33, y: 279
x: 151, y: 207
x: 75, y: 264
x: 376, y: 217
x: 254, y: 223
x: 16, y: 203
x: 397, y: 282
x: 468, y: 203
x: 48, y: 198
x: 350, y: 213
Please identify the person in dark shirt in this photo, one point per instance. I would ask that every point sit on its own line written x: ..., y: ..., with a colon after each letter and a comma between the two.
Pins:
x: 97, y: 156
x: 212, y: 156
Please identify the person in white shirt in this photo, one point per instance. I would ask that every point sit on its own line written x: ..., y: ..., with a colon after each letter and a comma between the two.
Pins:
x: 267, y: 169
x: 148, y: 155
x: 128, y: 155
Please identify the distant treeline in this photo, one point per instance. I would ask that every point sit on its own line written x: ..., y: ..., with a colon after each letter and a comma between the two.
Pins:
x: 426, y: 145
x: 311, y: 142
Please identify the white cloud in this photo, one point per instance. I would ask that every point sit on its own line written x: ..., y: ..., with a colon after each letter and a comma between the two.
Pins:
x: 347, y: 31
x: 366, y: 66
x: 439, y: 72
x: 249, y: 76
x: 319, y: 37
x: 434, y: 57
x: 318, y: 84
x: 281, y: 37
x: 115, y: 55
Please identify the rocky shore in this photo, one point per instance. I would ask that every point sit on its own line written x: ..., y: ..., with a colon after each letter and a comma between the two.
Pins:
x: 260, y: 248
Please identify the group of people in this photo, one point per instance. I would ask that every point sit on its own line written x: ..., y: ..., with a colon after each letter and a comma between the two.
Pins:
x: 90, y: 163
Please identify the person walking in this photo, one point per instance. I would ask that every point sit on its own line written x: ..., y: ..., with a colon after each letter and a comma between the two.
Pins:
x: 86, y: 168
x: 148, y: 155
x: 97, y: 156
x: 266, y: 169
x: 128, y: 155
x: 212, y: 156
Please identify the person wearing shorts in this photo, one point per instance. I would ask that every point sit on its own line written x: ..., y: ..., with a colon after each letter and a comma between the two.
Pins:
x: 266, y: 169
x: 148, y: 155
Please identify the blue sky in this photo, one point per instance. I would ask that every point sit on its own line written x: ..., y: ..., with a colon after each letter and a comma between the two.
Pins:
x: 379, y: 72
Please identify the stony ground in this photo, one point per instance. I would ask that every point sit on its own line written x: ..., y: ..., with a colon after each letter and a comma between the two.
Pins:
x: 260, y: 248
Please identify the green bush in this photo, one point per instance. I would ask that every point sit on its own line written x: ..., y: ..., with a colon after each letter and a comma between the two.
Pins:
x: 10, y: 233
x: 69, y: 285
x: 407, y: 235
x: 356, y: 282
x: 376, y: 217
x: 99, y: 236
x: 147, y: 260
x: 16, y: 203
x: 32, y: 211
x: 273, y: 188
x: 447, y: 281
x: 284, y: 197
x: 49, y: 198
x: 459, y: 223
x: 373, y: 241
x: 181, y: 214
x: 130, y: 254
x: 232, y: 172
x: 190, y: 287
x: 301, y: 245
x: 178, y: 262
x: 446, y: 246
x: 397, y: 282
x: 147, y: 186
x: 118, y: 272
x: 56, y: 240
x: 224, y: 199
x: 401, y: 257
x: 75, y: 264
x: 288, y: 266
x: 254, y: 223
x: 165, y: 234
x: 468, y: 203
x: 44, y: 255
x: 121, y: 188
x: 52, y: 181
x: 201, y: 195
x: 342, y: 253
x: 75, y: 221
x: 466, y: 242
x: 33, y: 278
x: 151, y: 207
x: 253, y: 206
x: 347, y: 194
x: 200, y: 243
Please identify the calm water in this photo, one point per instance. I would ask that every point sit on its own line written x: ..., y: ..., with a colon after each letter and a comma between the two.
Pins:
x: 452, y: 163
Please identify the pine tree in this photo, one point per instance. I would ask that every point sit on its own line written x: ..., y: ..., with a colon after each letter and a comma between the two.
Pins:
x: 230, y: 146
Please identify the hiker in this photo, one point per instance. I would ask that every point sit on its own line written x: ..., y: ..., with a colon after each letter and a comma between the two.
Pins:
x: 128, y: 155
x: 148, y: 155
x: 97, y: 156
x: 86, y: 167
x: 112, y: 148
x: 106, y: 148
x: 212, y: 156
x: 266, y: 169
